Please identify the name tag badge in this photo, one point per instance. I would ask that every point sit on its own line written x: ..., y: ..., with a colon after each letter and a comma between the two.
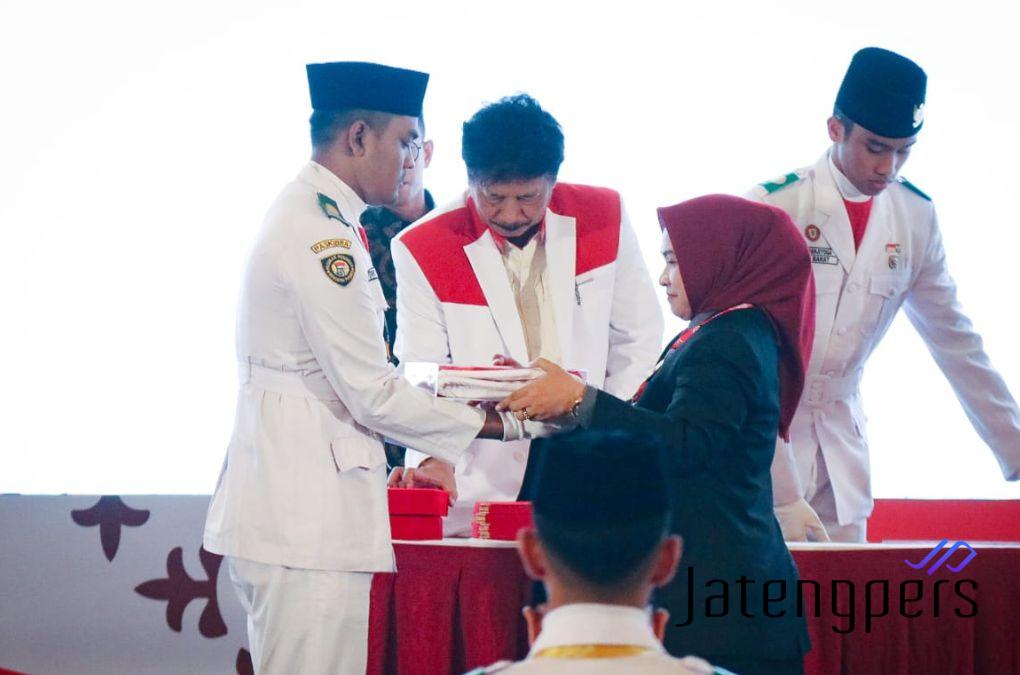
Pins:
x: 823, y: 255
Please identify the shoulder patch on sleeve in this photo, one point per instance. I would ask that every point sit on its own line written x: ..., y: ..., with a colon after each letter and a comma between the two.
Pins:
x: 780, y: 182
x: 320, y: 246
x: 339, y: 268
x: 913, y: 188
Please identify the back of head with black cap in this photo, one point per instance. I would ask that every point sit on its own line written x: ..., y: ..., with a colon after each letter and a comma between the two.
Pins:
x: 343, y: 91
x: 601, y: 505
x: 883, y: 92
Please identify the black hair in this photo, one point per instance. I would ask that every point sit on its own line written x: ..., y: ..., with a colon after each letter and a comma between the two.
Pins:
x: 604, y: 555
x: 325, y: 125
x: 512, y: 139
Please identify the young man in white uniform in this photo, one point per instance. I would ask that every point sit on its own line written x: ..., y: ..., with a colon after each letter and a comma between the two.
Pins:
x: 300, y: 507
x: 600, y: 547
x: 875, y: 245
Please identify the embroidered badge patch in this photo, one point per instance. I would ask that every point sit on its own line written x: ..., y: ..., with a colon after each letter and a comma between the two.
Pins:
x: 812, y: 232
x: 320, y: 246
x: 339, y: 268
x: 894, y: 255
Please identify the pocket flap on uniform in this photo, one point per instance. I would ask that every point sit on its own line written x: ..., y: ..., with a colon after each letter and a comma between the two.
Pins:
x: 888, y: 285
x: 357, y: 452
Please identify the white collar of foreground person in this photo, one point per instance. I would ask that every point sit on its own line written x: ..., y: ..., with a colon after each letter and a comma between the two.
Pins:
x: 593, y: 623
x: 619, y: 630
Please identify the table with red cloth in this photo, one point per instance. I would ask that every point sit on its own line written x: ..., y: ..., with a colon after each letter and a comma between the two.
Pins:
x: 456, y: 604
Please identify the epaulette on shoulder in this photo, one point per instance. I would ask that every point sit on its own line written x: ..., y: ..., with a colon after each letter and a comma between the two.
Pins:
x: 330, y: 208
x: 913, y: 188
x: 777, y: 184
x: 491, y: 668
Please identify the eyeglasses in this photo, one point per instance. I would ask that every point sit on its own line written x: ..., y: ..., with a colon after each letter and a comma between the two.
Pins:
x: 413, y: 147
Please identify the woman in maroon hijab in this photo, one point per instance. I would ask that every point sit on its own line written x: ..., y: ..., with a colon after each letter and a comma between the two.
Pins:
x: 722, y: 392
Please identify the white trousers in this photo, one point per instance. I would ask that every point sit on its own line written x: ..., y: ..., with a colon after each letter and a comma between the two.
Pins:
x: 823, y: 501
x: 304, y: 621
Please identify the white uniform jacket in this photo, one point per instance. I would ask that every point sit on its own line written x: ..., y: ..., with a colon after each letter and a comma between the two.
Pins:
x: 901, y: 261
x: 455, y: 304
x: 304, y: 482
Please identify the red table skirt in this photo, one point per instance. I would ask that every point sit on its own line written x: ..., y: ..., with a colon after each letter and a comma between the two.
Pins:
x: 453, y: 608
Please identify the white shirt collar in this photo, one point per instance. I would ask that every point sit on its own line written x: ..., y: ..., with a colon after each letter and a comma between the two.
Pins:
x: 846, y: 189
x: 592, y: 623
x: 329, y: 180
x: 520, y: 256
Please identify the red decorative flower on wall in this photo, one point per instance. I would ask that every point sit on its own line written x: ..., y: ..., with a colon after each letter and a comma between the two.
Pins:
x: 110, y: 514
x: 243, y: 665
x: 179, y: 589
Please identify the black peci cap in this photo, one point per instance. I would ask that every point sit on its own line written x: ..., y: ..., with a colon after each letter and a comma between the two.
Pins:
x: 600, y: 479
x: 884, y: 93
x: 346, y: 85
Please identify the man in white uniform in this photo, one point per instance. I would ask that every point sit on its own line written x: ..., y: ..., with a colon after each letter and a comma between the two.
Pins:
x: 300, y: 506
x: 875, y: 245
x: 600, y: 547
x: 527, y: 267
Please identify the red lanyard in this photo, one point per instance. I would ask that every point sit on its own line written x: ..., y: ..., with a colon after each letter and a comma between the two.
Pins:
x: 684, y: 336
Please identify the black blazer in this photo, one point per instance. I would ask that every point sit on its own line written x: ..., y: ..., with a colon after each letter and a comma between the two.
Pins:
x: 715, y: 404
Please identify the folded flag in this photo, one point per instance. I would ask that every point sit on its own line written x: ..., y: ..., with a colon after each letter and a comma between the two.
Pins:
x: 472, y: 383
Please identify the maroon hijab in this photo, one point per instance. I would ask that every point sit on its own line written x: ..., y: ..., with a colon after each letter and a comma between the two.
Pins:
x: 730, y: 251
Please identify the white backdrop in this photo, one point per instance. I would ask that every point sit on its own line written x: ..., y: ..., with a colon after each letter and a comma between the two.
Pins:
x: 140, y: 144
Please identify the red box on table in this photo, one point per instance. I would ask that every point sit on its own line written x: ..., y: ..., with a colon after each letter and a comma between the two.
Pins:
x: 417, y: 513
x: 500, y: 520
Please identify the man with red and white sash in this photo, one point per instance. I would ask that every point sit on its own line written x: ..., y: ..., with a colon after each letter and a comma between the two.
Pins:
x: 526, y: 267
